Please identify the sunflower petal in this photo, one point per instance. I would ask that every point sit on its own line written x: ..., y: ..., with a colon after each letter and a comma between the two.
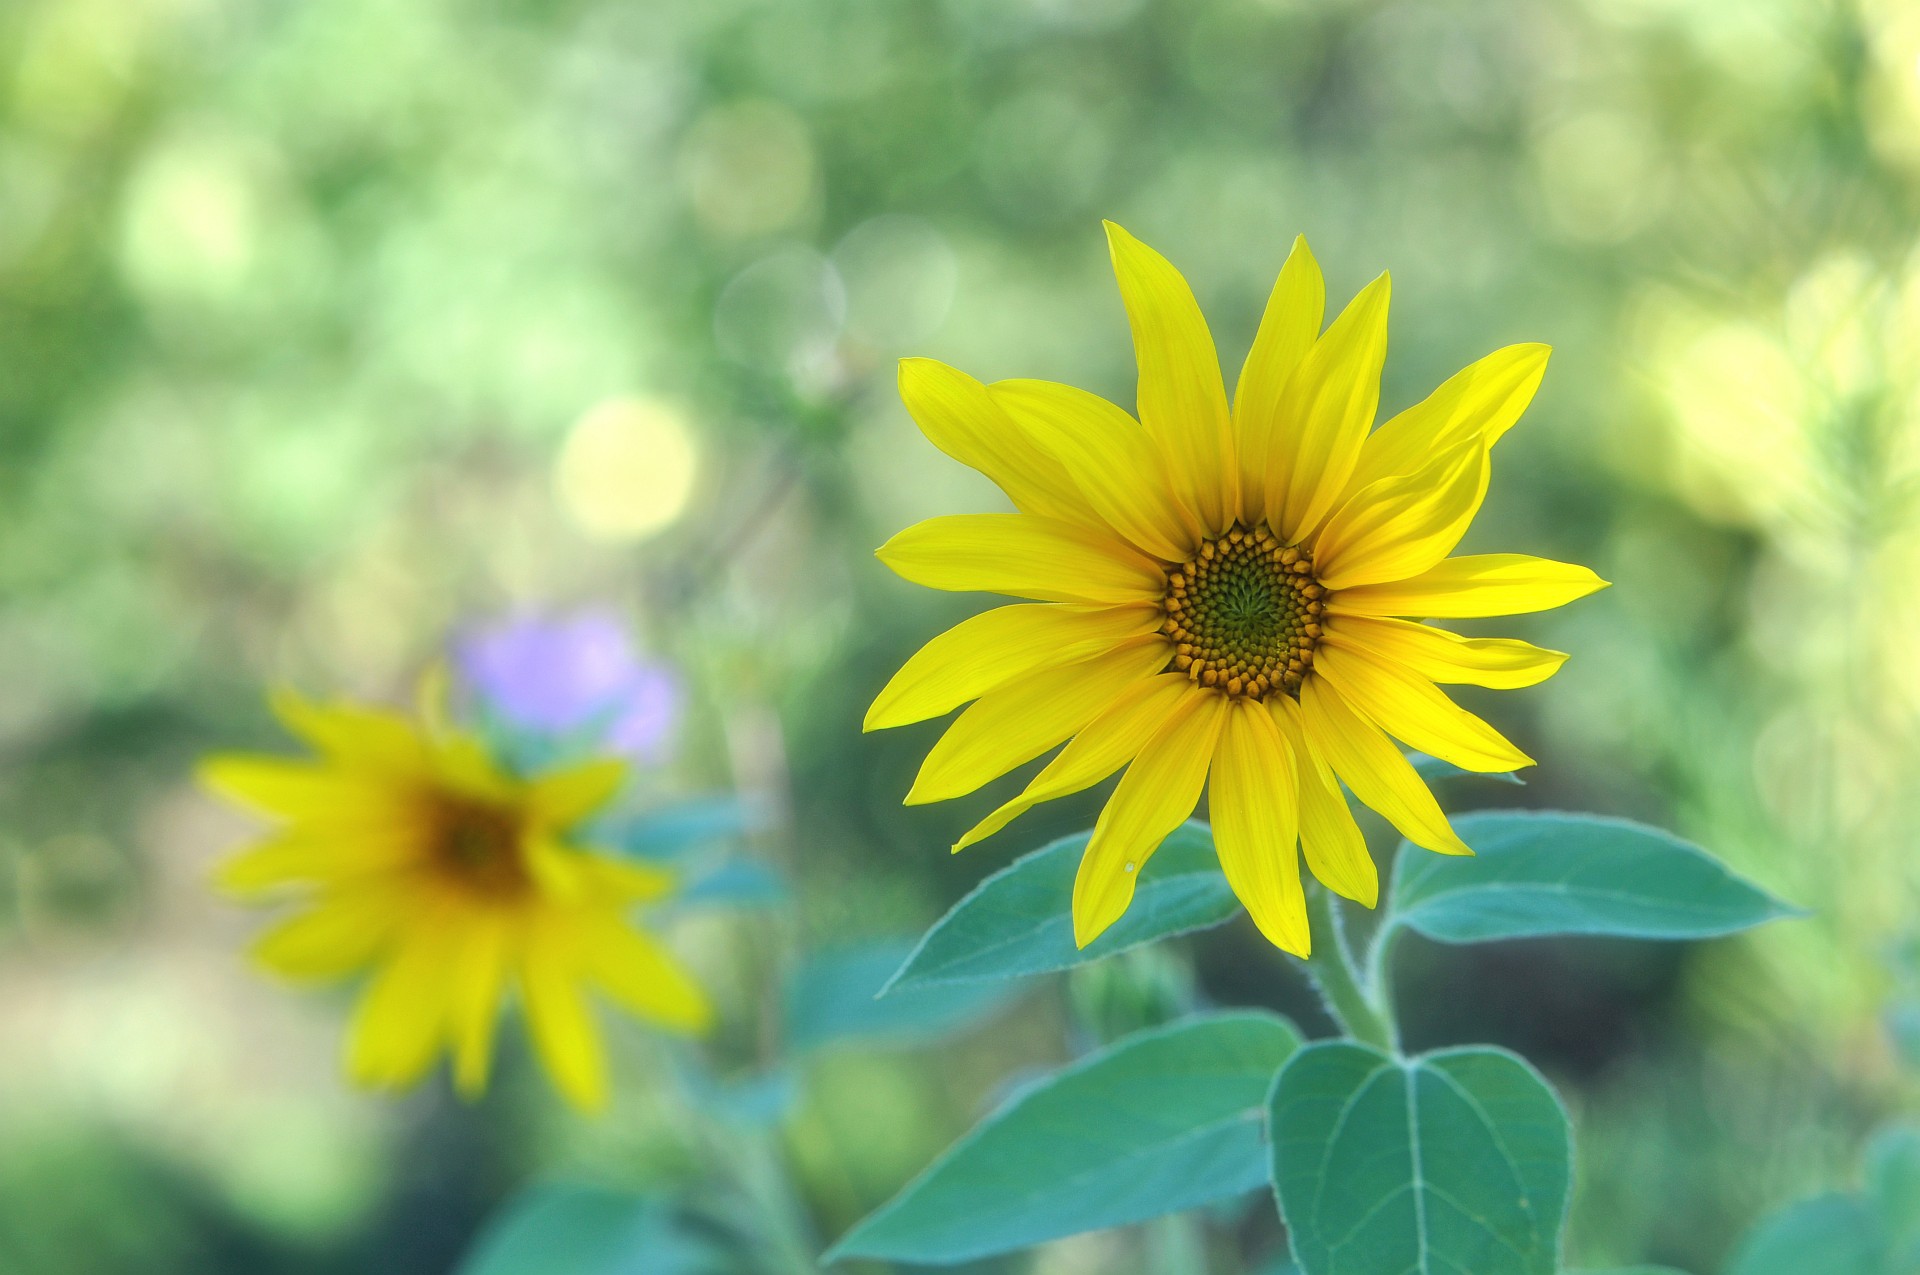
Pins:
x: 1503, y: 664
x: 1253, y: 797
x: 351, y: 735
x: 1287, y: 332
x: 993, y: 648
x: 640, y: 975
x: 1108, y: 742
x: 402, y: 1016
x: 1325, y: 413
x: 1400, y: 526
x: 557, y: 1014
x: 956, y: 414
x: 1330, y: 839
x: 297, y: 789
x: 1183, y: 402
x: 1025, y: 556
x: 561, y: 798
x: 1158, y: 792
x: 477, y: 982
x: 341, y: 933
x: 1119, y: 468
x: 1378, y: 773
x: 303, y: 855
x: 1416, y: 712
x: 1013, y: 725
x: 1482, y: 400
x: 1473, y: 585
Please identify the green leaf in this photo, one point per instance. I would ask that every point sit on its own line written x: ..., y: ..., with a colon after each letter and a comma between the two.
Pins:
x: 1632, y: 1270
x: 1829, y: 1234
x: 1539, y: 873
x: 1432, y: 769
x: 1160, y: 1122
x: 834, y: 995
x: 586, y: 1230
x: 1453, y: 1162
x: 1893, y: 1184
x: 739, y: 883
x: 1019, y: 921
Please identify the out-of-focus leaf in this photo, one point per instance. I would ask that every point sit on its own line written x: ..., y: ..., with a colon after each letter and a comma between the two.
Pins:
x: 739, y: 883
x: 1432, y: 769
x: 668, y: 832
x: 1160, y: 1122
x: 1539, y: 873
x: 1903, y: 1024
x: 1631, y: 1270
x: 1829, y: 1234
x: 586, y: 1230
x: 1893, y: 1185
x: 834, y: 995
x: 1019, y: 921
x: 757, y: 1101
x: 1454, y: 1161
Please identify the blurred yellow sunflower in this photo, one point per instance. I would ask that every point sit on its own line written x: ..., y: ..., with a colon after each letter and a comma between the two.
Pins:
x: 412, y: 854
x: 1227, y: 595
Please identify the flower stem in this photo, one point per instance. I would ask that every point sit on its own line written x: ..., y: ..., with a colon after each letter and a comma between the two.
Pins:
x: 1332, y: 971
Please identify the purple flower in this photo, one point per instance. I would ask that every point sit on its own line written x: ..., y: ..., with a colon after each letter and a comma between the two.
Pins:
x: 558, y: 675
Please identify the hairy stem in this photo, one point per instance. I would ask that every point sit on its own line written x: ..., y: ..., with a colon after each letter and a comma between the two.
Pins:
x: 1332, y: 971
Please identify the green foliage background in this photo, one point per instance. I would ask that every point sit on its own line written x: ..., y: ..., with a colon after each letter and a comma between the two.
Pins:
x: 301, y: 304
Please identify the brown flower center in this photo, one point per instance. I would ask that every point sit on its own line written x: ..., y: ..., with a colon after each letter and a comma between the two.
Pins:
x: 477, y: 844
x: 1244, y: 614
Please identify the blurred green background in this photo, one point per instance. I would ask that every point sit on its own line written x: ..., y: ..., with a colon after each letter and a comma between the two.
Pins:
x: 326, y: 329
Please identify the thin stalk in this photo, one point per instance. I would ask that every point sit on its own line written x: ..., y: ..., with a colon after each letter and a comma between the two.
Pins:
x: 1333, y: 973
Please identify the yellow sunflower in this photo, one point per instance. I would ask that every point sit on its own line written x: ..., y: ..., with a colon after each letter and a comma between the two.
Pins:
x: 412, y: 854
x: 1226, y: 597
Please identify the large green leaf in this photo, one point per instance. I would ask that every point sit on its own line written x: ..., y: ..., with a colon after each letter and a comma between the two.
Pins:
x: 835, y: 995
x: 1160, y: 1122
x: 1538, y: 873
x: 588, y: 1230
x: 1432, y: 769
x: 1453, y: 1162
x: 1827, y: 1235
x: 1019, y: 921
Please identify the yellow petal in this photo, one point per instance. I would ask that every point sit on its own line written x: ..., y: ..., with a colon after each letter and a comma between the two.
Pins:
x: 478, y: 981
x: 1109, y: 742
x: 995, y: 647
x: 629, y: 880
x: 341, y: 933
x: 1325, y: 413
x: 640, y: 974
x: 1024, y: 556
x: 1399, y: 527
x: 304, y: 854
x: 1330, y: 839
x: 557, y: 1015
x: 562, y: 798
x: 955, y: 413
x: 1378, y: 773
x: 1415, y: 711
x: 352, y: 735
x: 1253, y: 800
x: 298, y: 789
x: 1473, y: 585
x: 1480, y: 401
x: 1119, y: 469
x: 402, y: 1016
x: 1158, y: 792
x: 1503, y: 664
x: 1013, y: 725
x: 1183, y: 402
x: 1287, y: 332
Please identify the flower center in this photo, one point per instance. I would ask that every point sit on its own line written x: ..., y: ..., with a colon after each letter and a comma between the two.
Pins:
x: 1244, y: 614
x: 478, y: 845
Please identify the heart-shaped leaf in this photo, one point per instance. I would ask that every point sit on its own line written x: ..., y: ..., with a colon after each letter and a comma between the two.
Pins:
x: 1456, y: 1161
x: 1162, y: 1121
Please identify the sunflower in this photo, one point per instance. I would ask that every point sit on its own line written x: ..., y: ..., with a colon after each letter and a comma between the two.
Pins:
x: 1225, y: 597
x: 414, y: 855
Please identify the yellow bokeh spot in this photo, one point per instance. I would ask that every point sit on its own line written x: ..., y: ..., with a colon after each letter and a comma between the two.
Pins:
x: 627, y: 468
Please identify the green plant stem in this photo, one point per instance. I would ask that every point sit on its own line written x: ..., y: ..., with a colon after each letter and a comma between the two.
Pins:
x: 1332, y: 971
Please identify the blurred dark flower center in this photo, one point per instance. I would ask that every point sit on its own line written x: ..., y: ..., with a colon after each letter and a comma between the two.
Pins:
x: 1244, y: 613
x: 478, y: 844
